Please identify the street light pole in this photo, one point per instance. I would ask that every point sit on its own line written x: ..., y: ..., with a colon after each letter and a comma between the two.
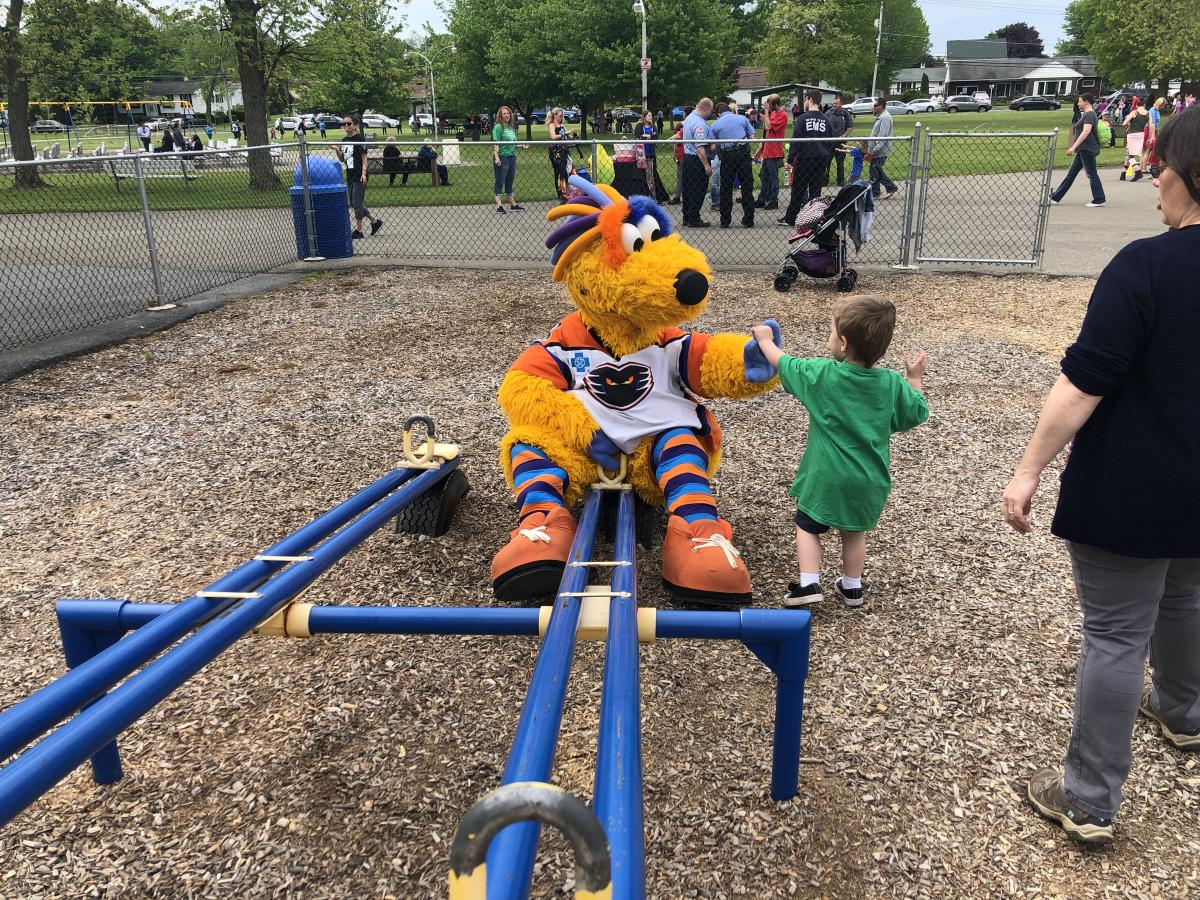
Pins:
x: 878, y: 44
x: 640, y: 7
x: 432, y: 91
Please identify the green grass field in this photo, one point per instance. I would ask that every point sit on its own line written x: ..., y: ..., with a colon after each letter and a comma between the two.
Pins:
x: 471, y: 181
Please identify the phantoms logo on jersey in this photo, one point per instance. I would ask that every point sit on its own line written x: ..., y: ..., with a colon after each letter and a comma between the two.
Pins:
x: 620, y: 386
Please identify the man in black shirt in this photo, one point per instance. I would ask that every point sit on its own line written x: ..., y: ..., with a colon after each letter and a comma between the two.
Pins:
x: 809, y: 160
x: 1085, y: 149
x: 353, y: 154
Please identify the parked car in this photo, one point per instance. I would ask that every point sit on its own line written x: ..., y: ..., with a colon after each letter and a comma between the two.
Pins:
x: 925, y: 105
x: 896, y: 108
x: 331, y: 120
x: 983, y: 97
x: 47, y: 125
x: 539, y: 115
x: 1034, y: 102
x: 289, y: 123
x: 424, y: 120
x: 572, y: 114
x: 862, y: 106
x: 158, y: 124
x: 378, y: 120
x: 963, y: 103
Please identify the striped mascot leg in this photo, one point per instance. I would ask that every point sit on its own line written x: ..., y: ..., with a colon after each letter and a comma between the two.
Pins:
x: 531, y: 564
x: 700, y: 564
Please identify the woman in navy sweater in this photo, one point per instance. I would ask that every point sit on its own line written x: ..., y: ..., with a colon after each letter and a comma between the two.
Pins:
x: 1129, y: 502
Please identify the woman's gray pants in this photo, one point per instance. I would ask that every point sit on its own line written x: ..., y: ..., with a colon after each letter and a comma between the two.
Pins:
x: 1130, y: 605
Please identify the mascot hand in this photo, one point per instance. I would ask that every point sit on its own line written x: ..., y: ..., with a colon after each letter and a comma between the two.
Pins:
x: 758, y: 369
x: 605, y: 452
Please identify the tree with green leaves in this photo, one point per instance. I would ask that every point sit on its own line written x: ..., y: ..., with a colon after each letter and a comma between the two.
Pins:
x: 1130, y: 46
x: 197, y: 43
x: 530, y: 52
x: 267, y: 36
x: 834, y: 40
x: 1024, y: 42
x: 16, y: 77
x: 924, y: 84
x: 356, y: 59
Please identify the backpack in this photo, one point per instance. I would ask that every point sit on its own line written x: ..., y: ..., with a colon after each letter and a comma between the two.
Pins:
x: 1103, y: 132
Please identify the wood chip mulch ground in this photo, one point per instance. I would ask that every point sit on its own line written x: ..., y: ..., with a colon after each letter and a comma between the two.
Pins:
x: 340, y: 766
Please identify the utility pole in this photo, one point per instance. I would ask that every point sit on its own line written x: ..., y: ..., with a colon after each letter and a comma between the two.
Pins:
x: 878, y: 43
x: 640, y: 7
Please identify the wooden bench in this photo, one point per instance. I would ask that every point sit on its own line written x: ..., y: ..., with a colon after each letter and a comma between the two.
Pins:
x: 406, y: 164
x: 166, y: 165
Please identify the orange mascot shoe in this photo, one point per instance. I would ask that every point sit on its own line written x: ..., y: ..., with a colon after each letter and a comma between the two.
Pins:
x: 701, y: 566
x: 531, y: 564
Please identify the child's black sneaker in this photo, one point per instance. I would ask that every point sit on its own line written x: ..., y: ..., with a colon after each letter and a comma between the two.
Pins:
x: 850, y: 596
x: 1048, y: 796
x: 797, y: 596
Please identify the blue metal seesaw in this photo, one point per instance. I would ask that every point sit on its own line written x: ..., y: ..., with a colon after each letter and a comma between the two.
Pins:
x: 259, y: 596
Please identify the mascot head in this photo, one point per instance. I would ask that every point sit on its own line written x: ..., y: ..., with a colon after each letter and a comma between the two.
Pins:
x: 627, y: 271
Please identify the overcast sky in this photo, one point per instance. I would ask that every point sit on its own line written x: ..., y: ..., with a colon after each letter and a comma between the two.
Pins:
x: 948, y: 19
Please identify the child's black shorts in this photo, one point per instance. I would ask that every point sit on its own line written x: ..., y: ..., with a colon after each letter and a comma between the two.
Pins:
x: 806, y: 523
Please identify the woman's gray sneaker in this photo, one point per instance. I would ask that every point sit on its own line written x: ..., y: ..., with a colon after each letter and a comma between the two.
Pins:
x: 1048, y: 796
x: 1187, y: 741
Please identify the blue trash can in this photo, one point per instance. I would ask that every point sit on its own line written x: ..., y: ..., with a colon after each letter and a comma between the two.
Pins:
x: 331, y: 216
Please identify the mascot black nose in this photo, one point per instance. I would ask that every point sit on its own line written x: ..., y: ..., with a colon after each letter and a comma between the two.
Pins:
x: 690, y: 287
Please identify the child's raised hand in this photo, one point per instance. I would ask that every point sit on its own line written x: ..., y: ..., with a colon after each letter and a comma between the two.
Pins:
x: 763, y: 333
x: 915, y: 367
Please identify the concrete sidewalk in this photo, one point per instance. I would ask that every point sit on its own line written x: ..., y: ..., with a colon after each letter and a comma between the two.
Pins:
x: 1081, y: 241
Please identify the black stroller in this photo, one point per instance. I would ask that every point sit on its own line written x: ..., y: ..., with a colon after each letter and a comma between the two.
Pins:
x: 818, y: 248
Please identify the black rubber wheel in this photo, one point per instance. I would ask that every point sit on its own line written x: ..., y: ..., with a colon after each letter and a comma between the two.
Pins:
x: 432, y: 512
x: 845, y: 285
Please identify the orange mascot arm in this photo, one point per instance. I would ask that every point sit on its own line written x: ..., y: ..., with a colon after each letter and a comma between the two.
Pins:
x: 717, y: 367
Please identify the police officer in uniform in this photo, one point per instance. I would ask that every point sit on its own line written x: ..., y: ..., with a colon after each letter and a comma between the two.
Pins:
x: 735, y: 162
x: 696, y: 167
x: 843, y: 123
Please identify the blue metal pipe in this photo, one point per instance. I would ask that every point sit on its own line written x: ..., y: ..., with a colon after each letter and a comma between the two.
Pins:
x: 421, y: 620
x: 42, y: 710
x: 121, y: 616
x: 778, y: 637
x: 40, y: 767
x: 511, y: 854
x: 618, y: 787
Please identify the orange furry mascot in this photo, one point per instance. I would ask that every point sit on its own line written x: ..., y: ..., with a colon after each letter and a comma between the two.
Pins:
x: 618, y: 376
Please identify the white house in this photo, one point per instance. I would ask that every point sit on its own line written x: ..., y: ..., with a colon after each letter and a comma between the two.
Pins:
x: 910, y: 80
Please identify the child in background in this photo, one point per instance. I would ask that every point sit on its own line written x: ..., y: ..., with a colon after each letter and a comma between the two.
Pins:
x: 858, y: 155
x: 854, y: 408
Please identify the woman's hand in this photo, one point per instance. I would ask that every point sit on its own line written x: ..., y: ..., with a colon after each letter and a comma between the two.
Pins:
x: 1018, y: 498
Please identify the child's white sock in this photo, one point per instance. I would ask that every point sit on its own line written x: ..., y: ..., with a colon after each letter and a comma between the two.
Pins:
x: 851, y: 584
x: 807, y: 578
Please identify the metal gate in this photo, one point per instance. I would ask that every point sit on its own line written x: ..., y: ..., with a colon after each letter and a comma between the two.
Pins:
x: 994, y: 216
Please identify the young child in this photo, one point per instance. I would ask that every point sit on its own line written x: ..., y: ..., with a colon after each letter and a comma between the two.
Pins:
x: 858, y: 155
x: 854, y: 408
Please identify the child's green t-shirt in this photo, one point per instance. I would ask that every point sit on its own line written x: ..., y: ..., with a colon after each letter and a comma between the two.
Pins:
x: 505, y: 133
x: 843, y: 479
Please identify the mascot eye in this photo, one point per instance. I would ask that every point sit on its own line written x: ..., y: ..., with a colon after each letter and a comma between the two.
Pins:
x: 631, y: 238
x: 649, y: 228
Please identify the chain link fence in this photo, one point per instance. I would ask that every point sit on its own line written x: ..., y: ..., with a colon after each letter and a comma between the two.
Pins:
x: 100, y: 238
x: 984, y: 198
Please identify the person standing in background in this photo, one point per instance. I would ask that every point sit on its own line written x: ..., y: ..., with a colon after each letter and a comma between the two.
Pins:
x: 809, y: 159
x: 677, y: 136
x: 771, y: 152
x: 735, y: 163
x: 696, y: 167
x: 236, y: 130
x: 843, y: 123
x: 504, y: 158
x: 647, y: 130
x: 353, y: 154
x: 879, y: 151
x: 143, y: 133
x: 1085, y: 148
